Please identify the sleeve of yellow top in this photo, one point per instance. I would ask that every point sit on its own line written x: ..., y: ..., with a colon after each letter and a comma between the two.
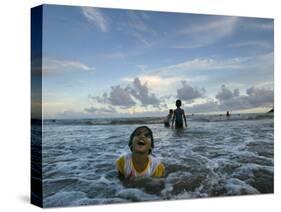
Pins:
x: 159, y: 171
x: 120, y: 165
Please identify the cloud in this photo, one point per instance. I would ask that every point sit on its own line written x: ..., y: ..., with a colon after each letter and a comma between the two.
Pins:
x: 160, y: 85
x: 53, y: 65
x: 166, y: 83
x: 226, y: 93
x: 136, y: 21
x: 95, y: 16
x: 120, y: 96
x: 100, y: 111
x: 142, y: 67
x: 188, y: 93
x: 225, y: 24
x: 141, y: 93
x: 206, y: 107
x: 260, y: 96
x: 203, y: 64
x: 138, y: 28
x: 227, y: 99
x: 253, y: 43
x: 254, y: 25
x: 207, y: 32
x: 166, y: 79
x: 210, y: 70
x: 255, y: 97
x: 131, y: 95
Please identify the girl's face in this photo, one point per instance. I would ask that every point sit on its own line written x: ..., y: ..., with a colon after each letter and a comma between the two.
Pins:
x: 142, y: 141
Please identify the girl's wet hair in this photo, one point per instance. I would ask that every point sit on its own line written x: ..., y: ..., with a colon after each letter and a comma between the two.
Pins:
x: 130, y: 144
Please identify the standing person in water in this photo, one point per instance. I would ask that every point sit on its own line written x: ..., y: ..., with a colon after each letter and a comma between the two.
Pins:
x: 140, y: 162
x: 179, y: 116
x: 168, y: 118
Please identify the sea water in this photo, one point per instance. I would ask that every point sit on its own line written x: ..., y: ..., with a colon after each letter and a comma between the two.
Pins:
x: 214, y: 156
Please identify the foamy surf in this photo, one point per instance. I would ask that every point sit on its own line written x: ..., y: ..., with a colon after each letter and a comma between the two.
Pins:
x: 209, y: 158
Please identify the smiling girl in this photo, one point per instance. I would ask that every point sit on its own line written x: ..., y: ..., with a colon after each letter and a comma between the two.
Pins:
x: 140, y: 162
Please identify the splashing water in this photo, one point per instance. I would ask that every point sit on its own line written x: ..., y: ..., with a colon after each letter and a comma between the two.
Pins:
x: 217, y: 157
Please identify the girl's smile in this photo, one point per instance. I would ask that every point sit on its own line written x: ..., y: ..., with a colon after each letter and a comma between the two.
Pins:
x: 142, y: 141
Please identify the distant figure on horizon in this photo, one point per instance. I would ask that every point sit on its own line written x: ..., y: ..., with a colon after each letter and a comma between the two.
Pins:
x: 178, y: 116
x: 168, y: 118
x: 227, y: 114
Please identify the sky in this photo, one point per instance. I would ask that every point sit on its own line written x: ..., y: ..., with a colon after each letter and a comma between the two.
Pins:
x: 101, y: 62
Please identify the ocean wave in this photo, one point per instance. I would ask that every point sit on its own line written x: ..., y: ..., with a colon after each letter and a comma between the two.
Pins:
x: 157, y: 120
x: 205, y: 160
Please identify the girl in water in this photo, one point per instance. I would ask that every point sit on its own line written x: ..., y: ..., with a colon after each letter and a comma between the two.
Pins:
x: 140, y: 162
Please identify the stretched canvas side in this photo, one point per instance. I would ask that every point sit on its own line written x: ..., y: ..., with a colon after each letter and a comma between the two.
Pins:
x: 36, y: 106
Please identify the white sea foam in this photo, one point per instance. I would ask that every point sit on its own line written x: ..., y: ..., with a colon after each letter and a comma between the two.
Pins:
x: 64, y: 198
x: 214, y: 158
x: 237, y: 187
x: 136, y: 195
